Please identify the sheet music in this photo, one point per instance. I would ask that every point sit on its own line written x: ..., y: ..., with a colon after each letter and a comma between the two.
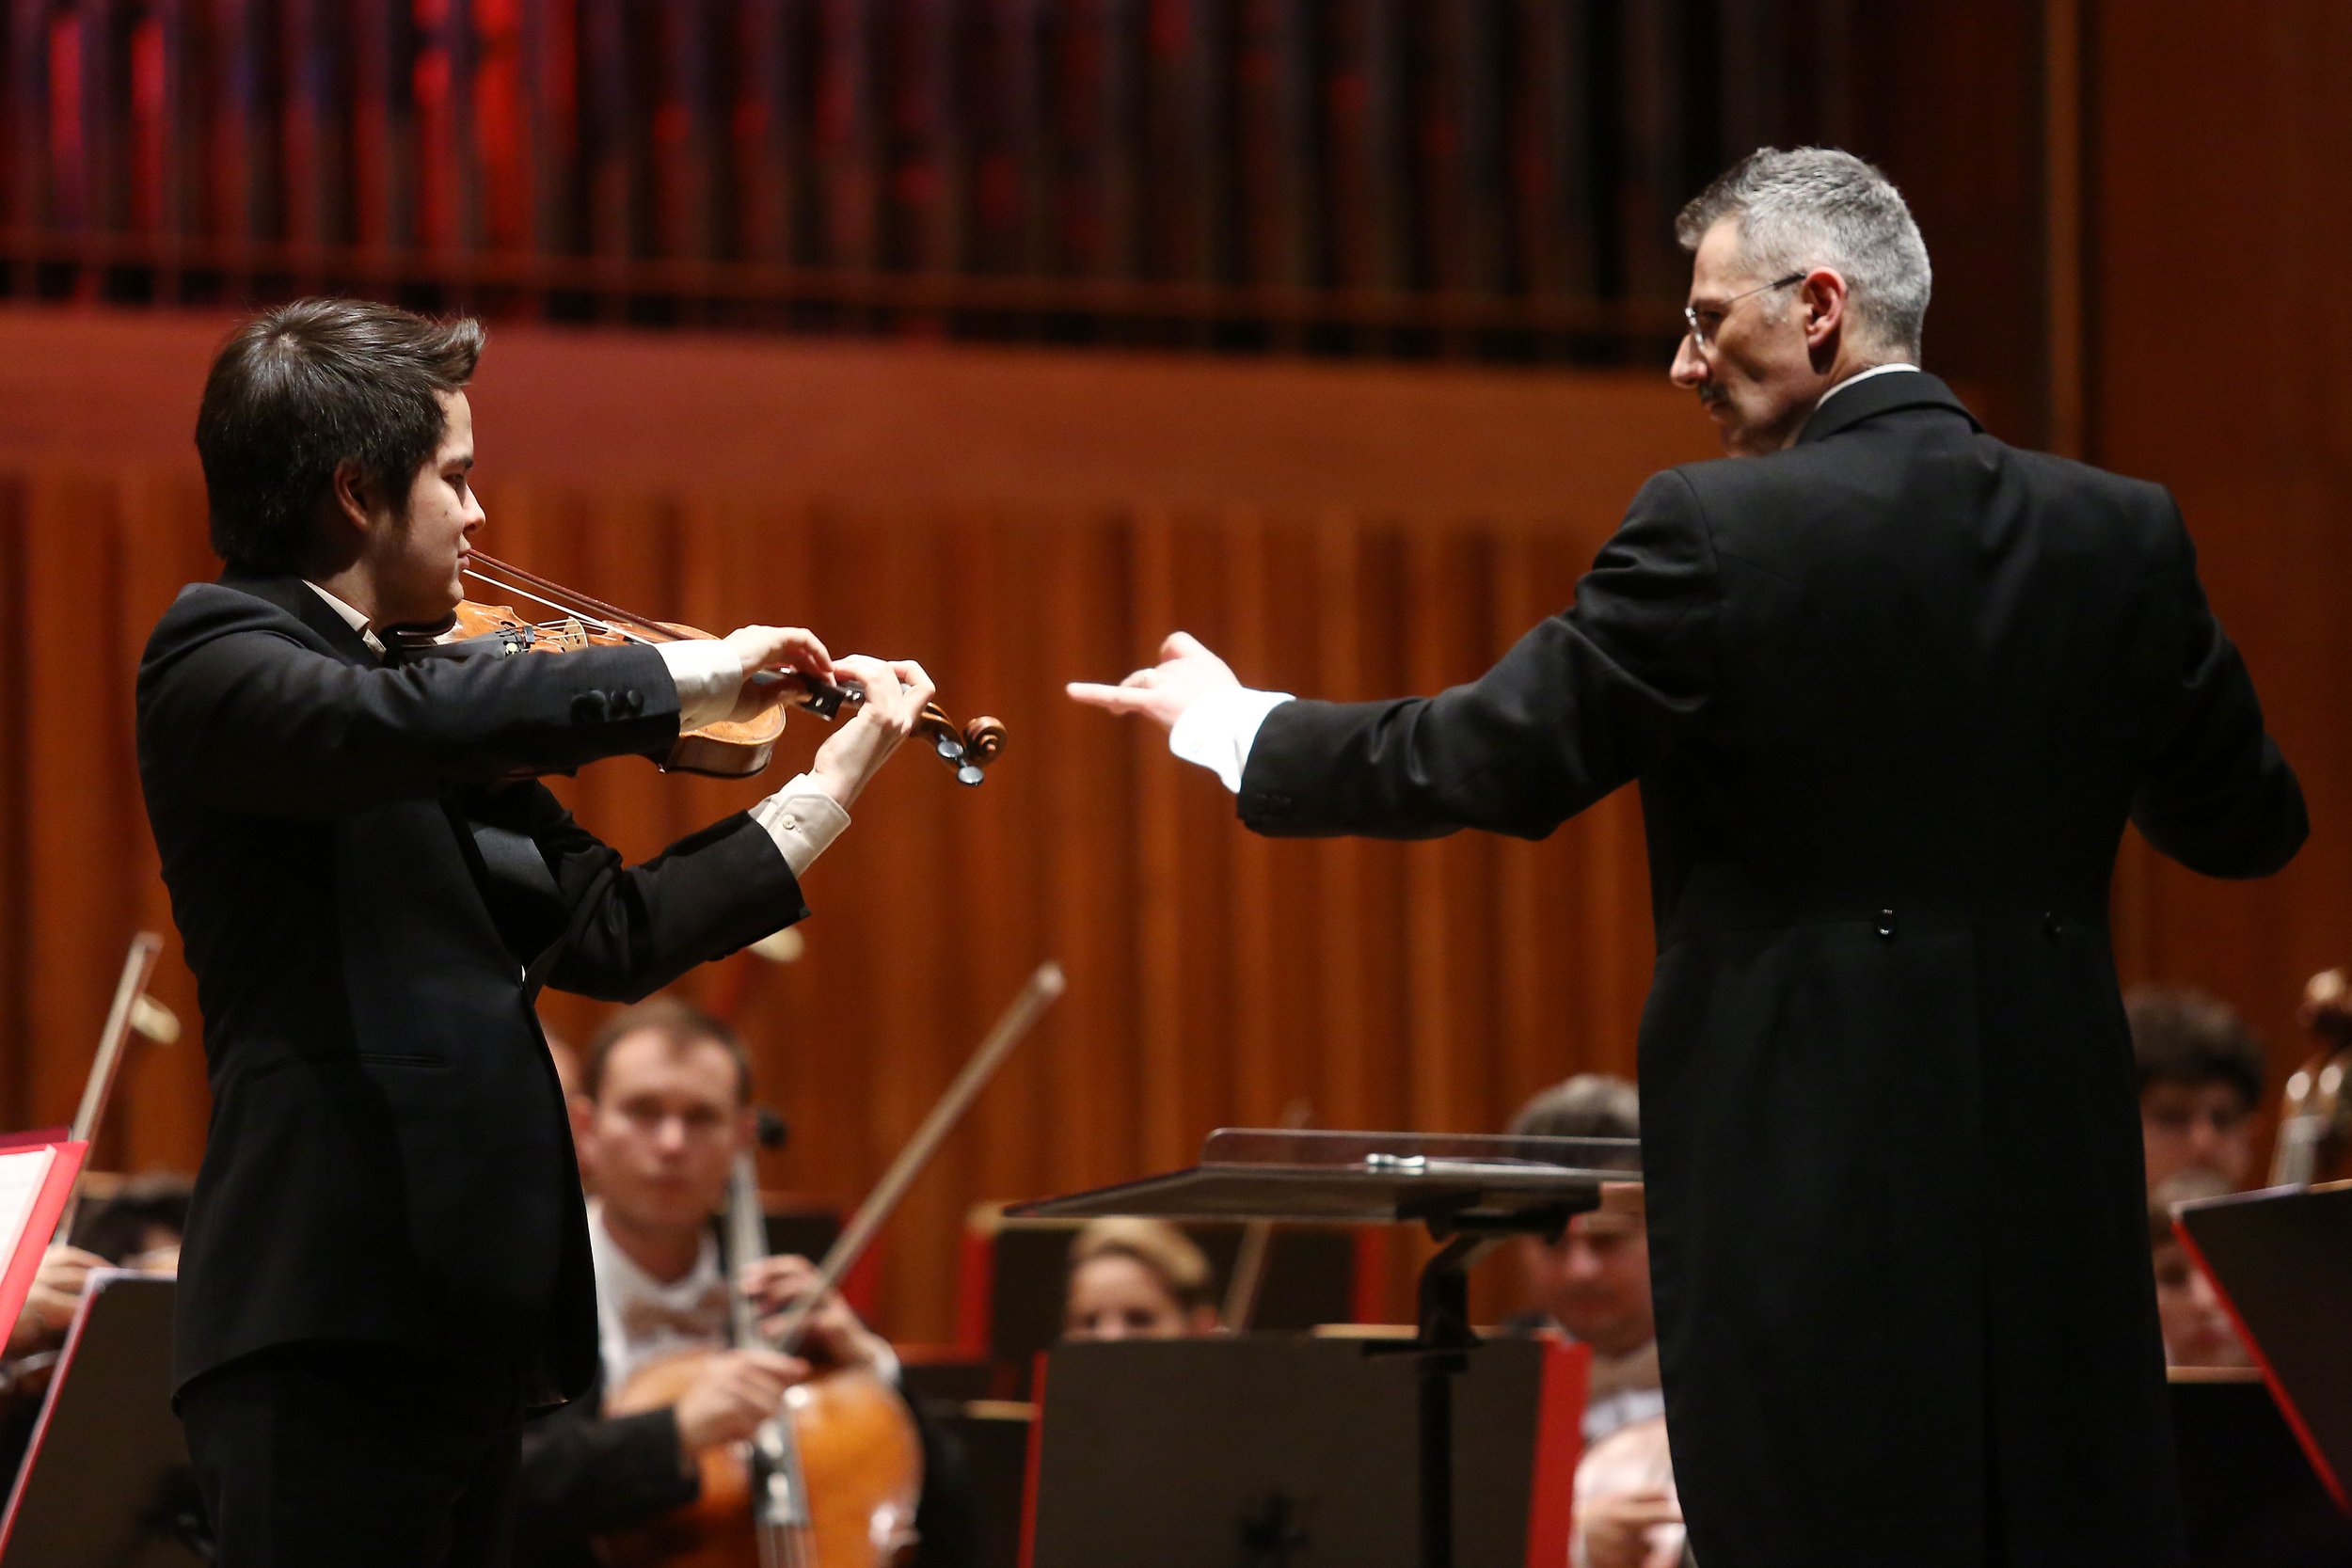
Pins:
x: 22, y: 1173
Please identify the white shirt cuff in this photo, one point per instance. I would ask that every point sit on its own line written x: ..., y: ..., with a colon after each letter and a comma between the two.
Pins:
x: 1219, y: 729
x: 801, y: 819
x: 709, y: 677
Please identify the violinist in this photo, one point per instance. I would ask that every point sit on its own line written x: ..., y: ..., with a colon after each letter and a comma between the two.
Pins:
x: 663, y: 1112
x: 386, y: 1260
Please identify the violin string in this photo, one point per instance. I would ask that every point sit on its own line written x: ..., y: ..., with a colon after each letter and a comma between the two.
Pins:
x: 568, y: 613
x: 612, y: 613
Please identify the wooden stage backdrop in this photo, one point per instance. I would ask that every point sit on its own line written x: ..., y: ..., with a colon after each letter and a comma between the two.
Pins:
x: 1016, y: 519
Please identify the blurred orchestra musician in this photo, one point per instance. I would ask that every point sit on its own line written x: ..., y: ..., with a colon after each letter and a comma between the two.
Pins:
x: 664, y: 1110
x: 2201, y: 1082
x: 1891, y: 690
x: 1592, y: 1286
x: 1593, y: 1283
x: 2198, y: 1329
x: 386, y: 1260
x: 1134, y: 1278
x: 137, y: 1225
x: 31, y: 1351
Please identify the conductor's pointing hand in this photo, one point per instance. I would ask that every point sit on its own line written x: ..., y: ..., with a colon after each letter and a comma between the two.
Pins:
x: 1186, y: 673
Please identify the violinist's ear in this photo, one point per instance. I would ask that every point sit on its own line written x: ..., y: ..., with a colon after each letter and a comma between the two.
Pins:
x: 352, y: 492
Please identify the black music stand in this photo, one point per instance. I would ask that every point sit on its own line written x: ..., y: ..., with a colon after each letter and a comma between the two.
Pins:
x: 1468, y: 1193
x: 2282, y: 1261
x: 106, y: 1482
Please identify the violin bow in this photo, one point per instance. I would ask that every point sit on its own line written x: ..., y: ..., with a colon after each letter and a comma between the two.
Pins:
x: 1044, y: 990
x: 122, y: 1020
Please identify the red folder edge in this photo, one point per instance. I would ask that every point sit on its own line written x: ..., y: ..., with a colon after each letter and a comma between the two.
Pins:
x: 1559, y: 1449
x: 42, y: 1223
x: 2311, y: 1450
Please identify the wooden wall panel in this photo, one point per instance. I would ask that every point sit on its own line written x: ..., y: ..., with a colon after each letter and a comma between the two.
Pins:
x: 1013, y: 521
x: 2221, y: 202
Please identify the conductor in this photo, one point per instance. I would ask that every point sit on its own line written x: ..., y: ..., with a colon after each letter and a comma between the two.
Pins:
x: 1891, y: 690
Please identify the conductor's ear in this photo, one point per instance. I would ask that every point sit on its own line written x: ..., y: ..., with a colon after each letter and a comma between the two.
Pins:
x: 1824, y: 296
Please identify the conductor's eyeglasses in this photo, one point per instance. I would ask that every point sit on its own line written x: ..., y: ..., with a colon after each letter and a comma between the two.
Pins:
x: 1705, y: 323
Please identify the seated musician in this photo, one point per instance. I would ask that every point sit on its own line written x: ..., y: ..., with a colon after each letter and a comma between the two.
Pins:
x: 2201, y: 1079
x: 663, y: 1110
x: 1593, y: 1283
x: 2198, y: 1330
x: 138, y: 1226
x: 31, y: 1348
x: 1627, y: 1512
x: 1136, y: 1279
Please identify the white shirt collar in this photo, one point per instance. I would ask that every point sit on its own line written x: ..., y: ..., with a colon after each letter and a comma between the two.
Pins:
x: 1863, y: 375
x: 661, y: 1311
x: 351, y: 618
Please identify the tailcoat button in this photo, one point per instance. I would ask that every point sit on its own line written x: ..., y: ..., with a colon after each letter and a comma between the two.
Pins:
x: 588, y: 708
x: 1887, y: 923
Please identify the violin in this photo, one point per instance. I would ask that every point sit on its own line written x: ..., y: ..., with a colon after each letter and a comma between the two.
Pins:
x: 725, y: 749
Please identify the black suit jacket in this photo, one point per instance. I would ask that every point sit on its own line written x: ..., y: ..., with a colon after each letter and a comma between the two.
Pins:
x: 359, y: 896
x: 1890, y: 695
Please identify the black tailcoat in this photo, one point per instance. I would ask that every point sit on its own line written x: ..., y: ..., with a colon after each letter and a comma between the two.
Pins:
x: 389, y: 1158
x: 1890, y: 695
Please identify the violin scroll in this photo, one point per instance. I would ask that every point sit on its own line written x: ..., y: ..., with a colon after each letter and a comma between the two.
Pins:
x: 967, y: 749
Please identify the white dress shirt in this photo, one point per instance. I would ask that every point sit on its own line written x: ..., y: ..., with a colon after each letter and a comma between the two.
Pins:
x: 1219, y: 729
x: 801, y: 817
x: 639, y: 1317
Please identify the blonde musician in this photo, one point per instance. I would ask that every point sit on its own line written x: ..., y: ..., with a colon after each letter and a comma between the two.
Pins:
x: 663, y: 1110
x: 1136, y: 1279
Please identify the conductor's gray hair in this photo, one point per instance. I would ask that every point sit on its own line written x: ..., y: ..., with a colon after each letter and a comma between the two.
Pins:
x: 1818, y: 207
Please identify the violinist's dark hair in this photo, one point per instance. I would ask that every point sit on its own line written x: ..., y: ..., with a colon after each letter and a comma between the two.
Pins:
x: 680, y: 1025
x: 297, y: 391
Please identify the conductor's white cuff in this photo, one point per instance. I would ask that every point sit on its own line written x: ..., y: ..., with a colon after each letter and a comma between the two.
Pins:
x: 1219, y: 729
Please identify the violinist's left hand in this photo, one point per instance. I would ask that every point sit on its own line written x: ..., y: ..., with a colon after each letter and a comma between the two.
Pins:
x: 835, y: 1336
x: 895, y: 693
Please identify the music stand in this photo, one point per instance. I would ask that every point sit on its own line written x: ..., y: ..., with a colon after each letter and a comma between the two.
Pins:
x: 2282, y: 1261
x: 105, y: 1484
x: 1468, y: 1192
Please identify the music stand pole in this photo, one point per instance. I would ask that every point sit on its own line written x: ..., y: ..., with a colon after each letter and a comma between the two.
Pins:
x: 1442, y: 1347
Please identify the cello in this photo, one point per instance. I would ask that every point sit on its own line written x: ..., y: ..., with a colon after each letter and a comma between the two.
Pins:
x: 2315, y: 1113
x: 831, y: 1481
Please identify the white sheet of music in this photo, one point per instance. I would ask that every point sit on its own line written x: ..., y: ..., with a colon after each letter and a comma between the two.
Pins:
x: 22, y: 1173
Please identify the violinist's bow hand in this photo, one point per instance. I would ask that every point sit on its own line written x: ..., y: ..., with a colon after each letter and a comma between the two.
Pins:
x: 1186, y: 673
